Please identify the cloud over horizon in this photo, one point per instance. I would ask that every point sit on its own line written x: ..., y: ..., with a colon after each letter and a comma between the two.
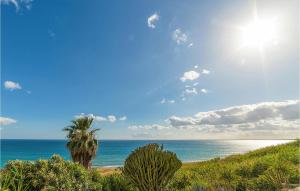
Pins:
x: 98, y: 118
x: 261, y: 120
x: 148, y: 127
x: 111, y: 118
x: 7, y: 121
x: 268, y: 116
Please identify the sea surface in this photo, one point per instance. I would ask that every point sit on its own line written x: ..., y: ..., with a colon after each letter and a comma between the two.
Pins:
x: 114, y: 152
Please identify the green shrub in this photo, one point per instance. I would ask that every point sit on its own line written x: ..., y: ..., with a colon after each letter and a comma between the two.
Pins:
x: 54, y: 174
x: 116, y: 182
x: 149, y: 168
x: 180, y: 182
x: 277, y: 177
x: 14, y: 180
x: 259, y: 167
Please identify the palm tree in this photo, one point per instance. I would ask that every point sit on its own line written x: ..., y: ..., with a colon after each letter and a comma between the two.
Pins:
x: 82, y: 142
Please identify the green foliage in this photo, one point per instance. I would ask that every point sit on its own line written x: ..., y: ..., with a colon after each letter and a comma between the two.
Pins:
x: 54, y: 174
x: 149, y: 168
x: 116, y: 182
x: 14, y: 180
x: 277, y: 177
x: 271, y: 168
x: 82, y: 142
x: 180, y: 182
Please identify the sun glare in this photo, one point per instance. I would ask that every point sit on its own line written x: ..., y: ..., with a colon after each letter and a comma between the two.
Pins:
x: 260, y: 33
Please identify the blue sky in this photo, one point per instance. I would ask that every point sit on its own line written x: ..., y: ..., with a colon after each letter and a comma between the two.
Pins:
x: 145, y: 69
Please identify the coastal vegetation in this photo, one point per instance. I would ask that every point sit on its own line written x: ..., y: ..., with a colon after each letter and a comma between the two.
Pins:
x: 150, y: 168
x: 82, y: 142
x: 267, y: 169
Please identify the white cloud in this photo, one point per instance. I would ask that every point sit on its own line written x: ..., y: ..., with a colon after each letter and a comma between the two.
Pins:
x: 95, y: 117
x: 190, y: 75
x: 266, y: 120
x: 111, y: 118
x: 18, y: 3
x: 270, y: 115
x: 179, y: 37
x: 204, y: 71
x: 164, y: 100
x: 191, y: 91
x: 100, y: 118
x: 190, y: 45
x: 7, y: 121
x: 148, y: 127
x: 123, y: 118
x: 151, y: 21
x: 196, y: 66
x: 203, y: 90
x: 172, y: 101
x: 12, y: 85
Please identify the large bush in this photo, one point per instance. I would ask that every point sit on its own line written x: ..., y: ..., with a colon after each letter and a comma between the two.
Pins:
x: 150, y: 168
x: 54, y: 174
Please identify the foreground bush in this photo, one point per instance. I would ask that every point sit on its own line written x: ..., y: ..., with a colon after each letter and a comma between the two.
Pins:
x: 149, y: 168
x: 55, y: 174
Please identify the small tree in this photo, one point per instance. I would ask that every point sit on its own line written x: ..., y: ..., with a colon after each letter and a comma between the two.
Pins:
x: 82, y: 142
x: 149, y: 168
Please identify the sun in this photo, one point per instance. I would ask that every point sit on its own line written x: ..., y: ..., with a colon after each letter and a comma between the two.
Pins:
x: 259, y: 34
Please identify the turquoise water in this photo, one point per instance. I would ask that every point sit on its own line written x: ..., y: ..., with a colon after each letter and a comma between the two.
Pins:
x: 114, y: 152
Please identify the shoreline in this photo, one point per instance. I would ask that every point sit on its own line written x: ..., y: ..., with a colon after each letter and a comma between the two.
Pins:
x: 109, y: 170
x: 183, y: 162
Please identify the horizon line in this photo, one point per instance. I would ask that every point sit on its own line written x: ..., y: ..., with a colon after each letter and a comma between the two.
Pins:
x: 149, y: 139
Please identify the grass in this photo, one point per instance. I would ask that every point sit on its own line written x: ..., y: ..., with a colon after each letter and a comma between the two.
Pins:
x: 269, y: 168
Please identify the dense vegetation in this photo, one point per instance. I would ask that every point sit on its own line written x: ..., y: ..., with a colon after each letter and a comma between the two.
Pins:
x: 55, y: 174
x: 268, y: 169
x: 150, y: 168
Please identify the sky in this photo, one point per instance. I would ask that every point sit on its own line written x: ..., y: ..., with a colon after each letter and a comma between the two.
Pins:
x: 150, y: 69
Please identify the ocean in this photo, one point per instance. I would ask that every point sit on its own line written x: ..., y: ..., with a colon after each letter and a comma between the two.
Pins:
x: 114, y: 152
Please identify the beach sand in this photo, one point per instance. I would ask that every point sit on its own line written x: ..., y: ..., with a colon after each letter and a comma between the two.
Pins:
x: 105, y: 171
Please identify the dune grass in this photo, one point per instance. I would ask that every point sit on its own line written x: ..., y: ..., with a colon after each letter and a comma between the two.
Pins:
x: 269, y: 168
